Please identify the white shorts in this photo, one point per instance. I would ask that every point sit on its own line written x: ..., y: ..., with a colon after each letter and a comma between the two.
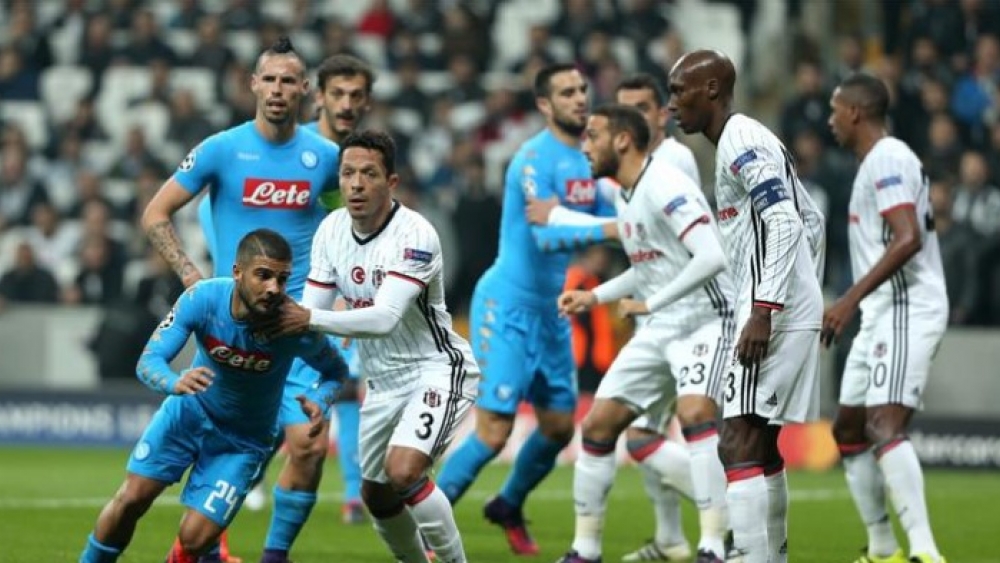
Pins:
x: 890, y: 360
x: 425, y: 419
x: 782, y: 388
x: 656, y: 365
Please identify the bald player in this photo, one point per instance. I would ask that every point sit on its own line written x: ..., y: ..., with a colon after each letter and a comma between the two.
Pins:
x: 899, y: 287
x: 774, y: 376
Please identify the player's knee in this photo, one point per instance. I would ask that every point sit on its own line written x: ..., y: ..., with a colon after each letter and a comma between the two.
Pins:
x: 557, y: 427
x: 195, y: 540
x: 404, y: 473
x: 694, y: 411
x: 308, y: 452
x: 348, y: 391
x: 849, y: 426
x: 133, y: 502
x: 597, y: 429
x: 381, y: 500
x: 493, y: 429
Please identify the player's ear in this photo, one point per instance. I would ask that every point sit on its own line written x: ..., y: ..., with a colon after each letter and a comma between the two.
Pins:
x: 392, y: 181
x: 712, y: 88
x: 544, y: 106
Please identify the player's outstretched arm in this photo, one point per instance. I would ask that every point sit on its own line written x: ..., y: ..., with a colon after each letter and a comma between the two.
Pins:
x: 707, y: 261
x: 156, y: 221
x: 163, y: 346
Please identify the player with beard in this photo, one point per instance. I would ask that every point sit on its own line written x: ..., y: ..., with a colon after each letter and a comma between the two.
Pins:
x: 521, y: 342
x: 219, y: 416
x: 268, y: 171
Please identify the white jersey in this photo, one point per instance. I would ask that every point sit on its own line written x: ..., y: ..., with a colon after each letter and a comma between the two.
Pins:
x: 891, y: 176
x: 423, y: 347
x: 772, y: 252
x: 653, y: 218
x: 678, y: 154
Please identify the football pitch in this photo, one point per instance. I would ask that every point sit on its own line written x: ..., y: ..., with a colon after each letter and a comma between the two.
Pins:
x: 49, y: 500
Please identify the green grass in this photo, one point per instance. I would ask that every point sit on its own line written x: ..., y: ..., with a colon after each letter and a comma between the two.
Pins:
x: 50, y: 498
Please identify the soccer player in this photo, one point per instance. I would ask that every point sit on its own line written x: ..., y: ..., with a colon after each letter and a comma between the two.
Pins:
x: 266, y: 171
x: 520, y: 341
x: 779, y: 307
x: 899, y: 287
x: 219, y: 417
x: 385, y: 261
x: 678, y: 281
x: 696, y: 408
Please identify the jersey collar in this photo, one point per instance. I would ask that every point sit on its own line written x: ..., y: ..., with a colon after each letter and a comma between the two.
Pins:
x: 370, y: 237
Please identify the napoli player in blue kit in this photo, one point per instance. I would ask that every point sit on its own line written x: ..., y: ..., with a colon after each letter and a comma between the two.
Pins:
x: 220, y: 416
x: 521, y: 343
x: 343, y: 97
x: 268, y: 172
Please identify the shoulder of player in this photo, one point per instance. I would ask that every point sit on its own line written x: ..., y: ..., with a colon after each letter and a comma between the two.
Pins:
x: 208, y: 288
x: 410, y: 226
x: 889, y: 155
x: 743, y: 132
x: 334, y: 220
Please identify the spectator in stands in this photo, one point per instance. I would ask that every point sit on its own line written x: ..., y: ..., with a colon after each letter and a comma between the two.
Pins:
x: 89, y: 187
x: 188, y: 15
x: 476, y: 211
x: 159, y: 288
x: 60, y: 177
x: 974, y: 100
x: 96, y: 223
x: 145, y: 44
x: 809, y: 106
x: 136, y: 157
x: 465, y: 83
x: 976, y: 202
x: 538, y: 46
x: 161, y: 90
x: 53, y: 241
x: 84, y: 123
x: 421, y: 17
x: 187, y: 124
x: 120, y: 13
x: 595, y: 50
x: 19, y: 190
x: 237, y: 97
x: 850, y: 58
x: 410, y: 96
x: 941, y: 21
x: 960, y: 247
x: 404, y: 47
x: 377, y: 21
x: 24, y: 35
x: 338, y: 38
x: 211, y: 51
x: 944, y: 147
x: 577, y: 19
x: 933, y: 102
x: 242, y: 15
x: 26, y: 281
x: 464, y: 33
x: 96, y: 51
x: 642, y: 22
x: 17, y: 81
x: 994, y: 154
x: 99, y: 281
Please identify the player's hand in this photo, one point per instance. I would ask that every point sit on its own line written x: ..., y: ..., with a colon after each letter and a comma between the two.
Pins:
x: 576, y: 301
x: 836, y: 318
x: 194, y: 380
x: 538, y: 210
x: 752, y: 346
x: 610, y: 230
x: 292, y: 318
x: 315, y: 414
x: 631, y: 308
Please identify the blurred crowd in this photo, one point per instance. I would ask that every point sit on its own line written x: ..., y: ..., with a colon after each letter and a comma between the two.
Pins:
x: 100, y: 100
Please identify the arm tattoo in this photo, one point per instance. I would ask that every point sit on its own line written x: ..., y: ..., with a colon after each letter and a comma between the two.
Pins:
x: 164, y: 240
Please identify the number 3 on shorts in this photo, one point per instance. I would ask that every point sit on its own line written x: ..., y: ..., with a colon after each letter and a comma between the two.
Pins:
x: 424, y: 431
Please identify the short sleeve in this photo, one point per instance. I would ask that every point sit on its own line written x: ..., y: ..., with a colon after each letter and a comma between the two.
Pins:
x: 896, y: 182
x: 200, y: 167
x: 419, y: 256
x: 322, y: 272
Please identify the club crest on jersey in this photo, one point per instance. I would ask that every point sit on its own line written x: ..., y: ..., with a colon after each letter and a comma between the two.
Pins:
x: 276, y: 194
x: 581, y: 192
x: 700, y: 349
x: 674, y: 205
x: 378, y: 276
x: 880, y: 350
x: 628, y: 230
x: 417, y: 255
x: 896, y: 180
x: 742, y: 160
x: 640, y: 231
x: 309, y: 159
x: 432, y: 398
x: 358, y: 275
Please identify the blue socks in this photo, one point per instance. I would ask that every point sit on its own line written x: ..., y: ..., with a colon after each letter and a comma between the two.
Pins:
x: 291, y: 510
x: 348, y: 421
x: 462, y: 467
x: 97, y: 552
x: 535, y: 460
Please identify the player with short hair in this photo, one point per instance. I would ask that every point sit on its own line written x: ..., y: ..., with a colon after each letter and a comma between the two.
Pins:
x: 219, y: 419
x: 266, y: 171
x: 679, y: 286
x: 899, y: 286
x: 696, y: 471
x: 779, y: 305
x: 522, y: 344
x: 385, y: 261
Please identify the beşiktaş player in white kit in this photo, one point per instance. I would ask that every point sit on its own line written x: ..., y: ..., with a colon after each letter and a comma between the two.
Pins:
x: 385, y: 261
x: 774, y: 376
x: 899, y: 286
x: 677, y: 277
x: 695, y: 470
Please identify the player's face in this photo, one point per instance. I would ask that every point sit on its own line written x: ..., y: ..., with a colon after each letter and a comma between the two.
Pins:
x: 644, y: 100
x: 261, y: 284
x: 566, y: 105
x: 598, y: 147
x: 842, y: 119
x: 344, y: 100
x: 279, y: 85
x: 365, y: 185
x: 689, y: 103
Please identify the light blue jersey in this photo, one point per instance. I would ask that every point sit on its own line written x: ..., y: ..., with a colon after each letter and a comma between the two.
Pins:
x: 225, y: 433
x: 517, y: 333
